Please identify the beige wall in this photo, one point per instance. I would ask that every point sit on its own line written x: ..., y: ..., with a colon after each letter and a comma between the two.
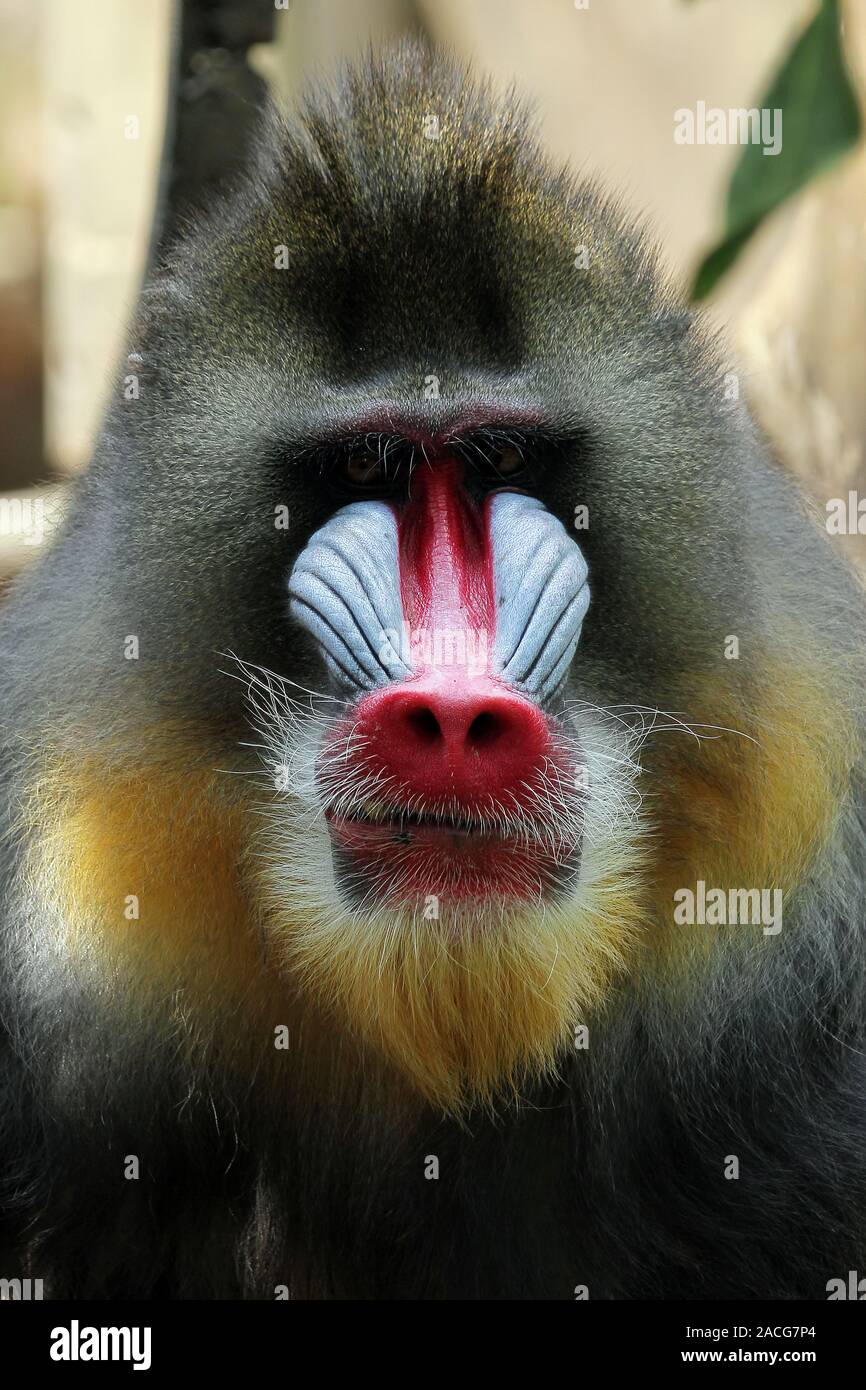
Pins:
x: 103, y: 69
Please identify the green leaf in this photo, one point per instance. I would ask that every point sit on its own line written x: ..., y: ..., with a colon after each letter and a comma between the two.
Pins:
x: 714, y: 265
x: 820, y: 123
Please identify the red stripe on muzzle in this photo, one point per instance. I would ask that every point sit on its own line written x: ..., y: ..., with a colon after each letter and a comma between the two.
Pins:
x: 453, y: 734
x: 446, y: 571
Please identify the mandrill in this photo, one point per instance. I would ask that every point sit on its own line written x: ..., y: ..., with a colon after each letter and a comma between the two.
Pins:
x: 433, y: 807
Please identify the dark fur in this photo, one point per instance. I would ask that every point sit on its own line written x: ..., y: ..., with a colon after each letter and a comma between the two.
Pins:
x: 409, y: 257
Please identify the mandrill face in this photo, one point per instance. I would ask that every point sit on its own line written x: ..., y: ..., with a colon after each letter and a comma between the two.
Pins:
x: 452, y: 847
x: 451, y: 778
x: 461, y: 802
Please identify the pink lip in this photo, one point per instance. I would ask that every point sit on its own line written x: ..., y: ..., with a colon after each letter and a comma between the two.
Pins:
x: 404, y: 865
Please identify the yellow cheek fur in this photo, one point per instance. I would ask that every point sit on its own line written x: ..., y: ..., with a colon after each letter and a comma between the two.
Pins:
x: 170, y: 842
x: 747, y: 812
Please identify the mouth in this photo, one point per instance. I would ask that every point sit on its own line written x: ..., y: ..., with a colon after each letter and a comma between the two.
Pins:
x: 402, y: 820
x: 391, y: 856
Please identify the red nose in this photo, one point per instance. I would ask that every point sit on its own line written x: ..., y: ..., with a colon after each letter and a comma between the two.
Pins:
x: 465, y: 740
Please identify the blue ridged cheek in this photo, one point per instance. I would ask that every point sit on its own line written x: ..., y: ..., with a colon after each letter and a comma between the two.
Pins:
x: 541, y: 594
x: 345, y: 590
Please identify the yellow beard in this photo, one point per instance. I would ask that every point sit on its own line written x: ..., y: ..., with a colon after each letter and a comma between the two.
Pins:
x: 470, y: 1005
x: 475, y: 1002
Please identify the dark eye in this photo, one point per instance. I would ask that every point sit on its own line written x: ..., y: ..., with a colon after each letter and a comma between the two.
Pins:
x: 498, y: 464
x: 364, y: 470
x: 508, y: 462
x: 369, y: 471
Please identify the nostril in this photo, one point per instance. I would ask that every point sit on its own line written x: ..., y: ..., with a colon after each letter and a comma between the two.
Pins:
x: 484, y: 729
x: 424, y: 724
x: 469, y: 741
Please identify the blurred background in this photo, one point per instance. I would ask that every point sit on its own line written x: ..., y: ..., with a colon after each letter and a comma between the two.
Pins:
x: 112, y: 109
